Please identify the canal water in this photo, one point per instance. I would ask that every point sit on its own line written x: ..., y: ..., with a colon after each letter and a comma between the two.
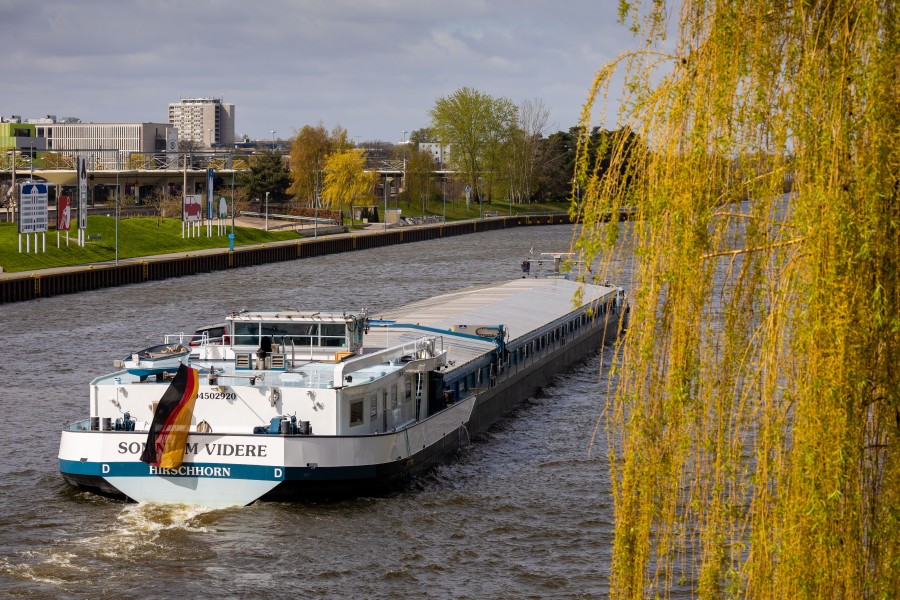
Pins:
x: 522, y: 512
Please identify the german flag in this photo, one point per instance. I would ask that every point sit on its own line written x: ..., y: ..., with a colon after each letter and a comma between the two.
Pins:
x: 172, y: 421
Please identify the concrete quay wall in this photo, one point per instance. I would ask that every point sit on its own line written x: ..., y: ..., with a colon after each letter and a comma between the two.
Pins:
x: 19, y: 287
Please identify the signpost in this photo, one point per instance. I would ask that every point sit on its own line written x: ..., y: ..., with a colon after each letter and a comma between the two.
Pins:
x: 33, y: 213
x: 210, y: 202
x: 223, y: 214
x: 192, y: 212
x: 63, y: 217
x: 82, y: 199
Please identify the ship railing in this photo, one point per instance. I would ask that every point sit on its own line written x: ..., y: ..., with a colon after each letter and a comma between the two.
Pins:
x: 194, y: 340
x: 423, y: 347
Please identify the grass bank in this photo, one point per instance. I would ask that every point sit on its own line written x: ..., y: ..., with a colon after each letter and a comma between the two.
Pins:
x: 143, y: 236
x: 137, y: 237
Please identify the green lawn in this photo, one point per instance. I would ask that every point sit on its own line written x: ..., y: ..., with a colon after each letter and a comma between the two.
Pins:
x: 143, y: 237
x: 137, y: 237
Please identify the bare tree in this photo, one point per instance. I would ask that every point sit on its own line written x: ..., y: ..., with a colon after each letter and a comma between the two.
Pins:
x: 524, y: 155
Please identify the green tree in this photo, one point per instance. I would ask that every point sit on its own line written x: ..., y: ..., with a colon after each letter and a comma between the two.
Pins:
x: 309, y: 149
x: 421, y: 136
x: 268, y: 173
x: 420, y: 181
x: 346, y: 181
x: 475, y: 125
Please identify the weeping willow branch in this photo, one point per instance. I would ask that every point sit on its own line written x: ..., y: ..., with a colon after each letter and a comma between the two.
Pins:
x: 767, y: 248
x: 743, y: 413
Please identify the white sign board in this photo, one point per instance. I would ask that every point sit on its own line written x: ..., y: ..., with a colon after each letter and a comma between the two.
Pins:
x: 33, y: 209
x: 192, y: 209
x: 223, y: 208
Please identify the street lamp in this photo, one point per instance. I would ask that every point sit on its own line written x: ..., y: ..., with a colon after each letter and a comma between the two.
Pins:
x: 267, y: 211
x: 403, y: 176
x: 117, y: 210
x: 273, y: 140
x: 316, y: 207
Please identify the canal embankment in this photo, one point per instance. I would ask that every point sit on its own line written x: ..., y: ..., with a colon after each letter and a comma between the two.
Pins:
x: 45, y: 283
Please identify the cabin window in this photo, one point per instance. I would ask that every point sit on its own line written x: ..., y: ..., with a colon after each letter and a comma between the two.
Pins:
x: 246, y: 334
x: 356, y: 413
x: 333, y: 335
x: 297, y: 334
x: 408, y: 388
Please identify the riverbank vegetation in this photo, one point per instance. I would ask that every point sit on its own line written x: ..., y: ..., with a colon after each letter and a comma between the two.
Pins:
x: 754, y: 429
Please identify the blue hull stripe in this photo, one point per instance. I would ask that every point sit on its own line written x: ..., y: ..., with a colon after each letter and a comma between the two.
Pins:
x: 235, y: 471
x: 139, y: 469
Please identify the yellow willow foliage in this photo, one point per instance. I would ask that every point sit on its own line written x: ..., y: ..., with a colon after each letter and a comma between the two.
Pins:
x: 755, y: 425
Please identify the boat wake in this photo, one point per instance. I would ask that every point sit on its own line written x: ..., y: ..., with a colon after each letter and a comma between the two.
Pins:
x: 151, y: 517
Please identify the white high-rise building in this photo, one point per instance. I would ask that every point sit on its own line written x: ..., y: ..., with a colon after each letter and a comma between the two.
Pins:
x: 205, y: 121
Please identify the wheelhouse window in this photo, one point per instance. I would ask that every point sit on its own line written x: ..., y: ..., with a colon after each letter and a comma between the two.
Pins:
x: 356, y: 413
x: 333, y: 335
x: 297, y: 334
x: 246, y: 334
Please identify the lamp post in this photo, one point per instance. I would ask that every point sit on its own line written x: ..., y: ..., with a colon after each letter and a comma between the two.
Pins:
x: 273, y: 140
x: 403, y: 176
x: 444, y: 189
x: 267, y: 211
x: 316, y: 207
x: 384, y: 216
x: 117, y: 209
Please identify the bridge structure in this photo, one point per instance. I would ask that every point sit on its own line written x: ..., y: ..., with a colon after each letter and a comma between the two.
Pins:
x: 140, y: 174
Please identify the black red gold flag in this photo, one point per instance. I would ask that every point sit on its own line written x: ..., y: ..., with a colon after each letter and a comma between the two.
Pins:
x: 172, y: 421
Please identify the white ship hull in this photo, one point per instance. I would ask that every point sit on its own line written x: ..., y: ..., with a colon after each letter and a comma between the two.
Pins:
x: 229, y: 470
x: 338, y: 416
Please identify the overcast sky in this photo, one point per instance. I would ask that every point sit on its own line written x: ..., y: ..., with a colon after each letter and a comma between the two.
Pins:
x: 375, y: 67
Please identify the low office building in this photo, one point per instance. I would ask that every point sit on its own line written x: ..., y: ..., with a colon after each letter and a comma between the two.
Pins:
x: 107, y: 145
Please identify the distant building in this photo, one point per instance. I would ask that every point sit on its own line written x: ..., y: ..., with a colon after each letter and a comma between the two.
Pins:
x: 15, y: 135
x: 204, y: 121
x: 105, y: 145
x: 439, y: 152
